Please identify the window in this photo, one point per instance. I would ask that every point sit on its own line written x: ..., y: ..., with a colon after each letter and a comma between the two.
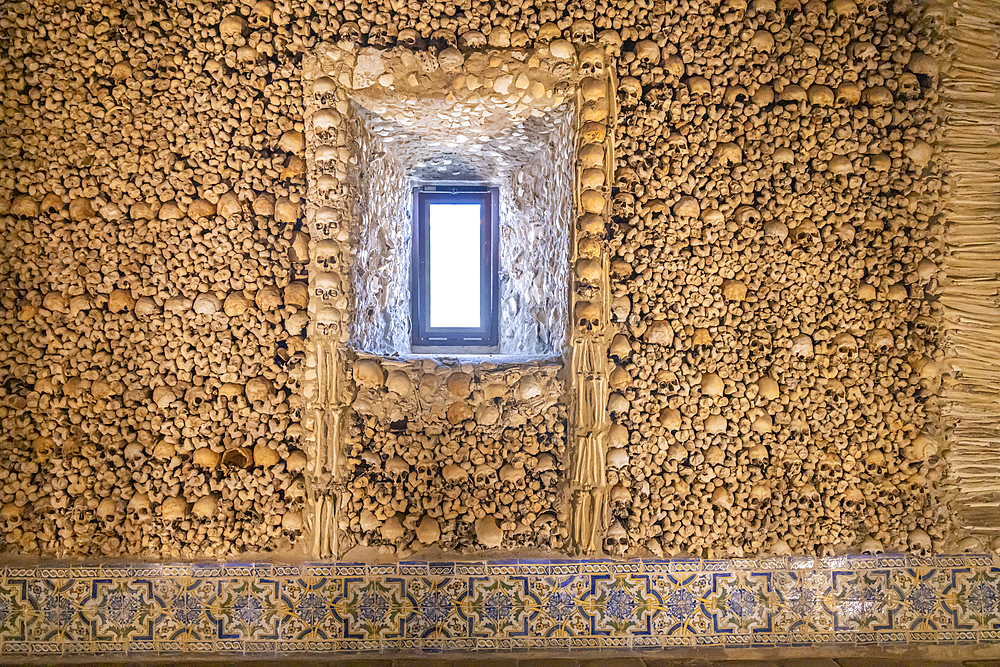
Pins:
x: 455, y: 289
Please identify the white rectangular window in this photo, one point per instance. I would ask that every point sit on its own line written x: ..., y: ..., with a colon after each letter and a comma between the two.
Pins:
x: 455, y: 266
x: 455, y: 288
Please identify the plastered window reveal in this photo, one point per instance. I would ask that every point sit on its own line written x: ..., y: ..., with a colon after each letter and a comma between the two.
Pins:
x: 538, y: 125
x: 399, y: 138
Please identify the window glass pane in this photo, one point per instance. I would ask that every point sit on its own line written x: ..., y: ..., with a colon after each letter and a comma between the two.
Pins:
x: 455, y: 252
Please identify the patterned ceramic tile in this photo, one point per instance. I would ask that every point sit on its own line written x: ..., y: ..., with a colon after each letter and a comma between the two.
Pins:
x: 273, y: 609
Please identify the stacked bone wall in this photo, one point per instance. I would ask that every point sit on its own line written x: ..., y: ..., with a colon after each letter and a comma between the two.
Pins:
x: 458, y: 456
x: 779, y: 207
x: 149, y: 291
x: 151, y: 175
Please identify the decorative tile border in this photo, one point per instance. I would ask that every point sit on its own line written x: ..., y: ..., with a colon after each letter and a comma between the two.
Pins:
x: 271, y: 609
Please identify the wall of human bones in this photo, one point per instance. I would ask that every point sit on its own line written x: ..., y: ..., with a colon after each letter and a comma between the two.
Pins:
x: 776, y: 215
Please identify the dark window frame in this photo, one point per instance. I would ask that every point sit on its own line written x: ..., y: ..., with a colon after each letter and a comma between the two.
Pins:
x: 486, y: 337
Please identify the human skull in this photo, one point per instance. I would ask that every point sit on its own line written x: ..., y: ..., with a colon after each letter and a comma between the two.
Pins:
x: 775, y: 231
x: 514, y: 475
x: 616, y: 539
x: 139, y: 508
x: 611, y: 42
x: 442, y: 38
x: 472, y: 40
x: 380, y: 36
x: 808, y: 496
x: 326, y: 158
x: 592, y: 61
x: 618, y: 405
x: 734, y: 94
x: 397, y: 467
x: 919, y: 542
x: 617, y: 458
x: 549, y: 32
x: 761, y: 344
x: 875, y: 463
x: 260, y: 15
x: 676, y: 145
x: 409, y: 38
x: 845, y: 8
x: 806, y: 233
x: 325, y: 91
x: 848, y: 94
x: 499, y: 37
x: 206, y: 507
x: 878, y: 96
x: 647, y: 52
x: 545, y: 523
x: 846, y: 345
x: 881, y: 340
x: 588, y: 315
x: 232, y: 28
x: 350, y: 34
x: 620, y: 495
x: 762, y: 41
x: 852, y: 500
x: 327, y: 285
x: 485, y: 475
x: 629, y: 91
x: 135, y: 455
x: 759, y: 494
x: 10, y: 516
x: 328, y: 255
x: 328, y: 221
x: 426, y: 469
x: 582, y: 31
x: 870, y: 546
x: 821, y: 96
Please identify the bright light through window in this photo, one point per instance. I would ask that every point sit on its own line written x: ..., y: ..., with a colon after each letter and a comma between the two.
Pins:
x: 455, y: 252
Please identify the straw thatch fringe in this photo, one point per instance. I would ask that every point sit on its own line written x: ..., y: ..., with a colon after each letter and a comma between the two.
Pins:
x: 970, y: 147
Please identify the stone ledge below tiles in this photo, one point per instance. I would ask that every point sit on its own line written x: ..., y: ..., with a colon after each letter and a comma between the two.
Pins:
x: 873, y: 660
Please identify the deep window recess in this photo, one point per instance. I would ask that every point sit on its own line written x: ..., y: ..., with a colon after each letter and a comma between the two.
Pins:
x: 455, y: 295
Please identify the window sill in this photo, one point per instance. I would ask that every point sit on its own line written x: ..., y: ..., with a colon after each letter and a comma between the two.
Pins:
x: 478, y: 355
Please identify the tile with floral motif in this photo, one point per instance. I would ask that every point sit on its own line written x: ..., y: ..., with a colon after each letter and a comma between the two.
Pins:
x: 373, y: 609
x: 310, y: 605
x: 247, y: 609
x: 859, y: 601
x: 916, y: 596
x: 431, y: 607
x: 739, y: 603
x: 972, y: 598
x: 618, y: 604
x: 184, y: 606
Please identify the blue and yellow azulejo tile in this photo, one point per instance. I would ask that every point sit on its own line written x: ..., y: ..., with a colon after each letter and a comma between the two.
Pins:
x: 273, y: 609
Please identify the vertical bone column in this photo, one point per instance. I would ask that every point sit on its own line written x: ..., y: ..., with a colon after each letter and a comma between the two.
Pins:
x: 590, y: 295
x: 969, y: 148
x: 329, y: 216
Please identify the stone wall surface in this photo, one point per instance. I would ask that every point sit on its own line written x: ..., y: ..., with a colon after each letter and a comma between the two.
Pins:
x: 536, y: 205
x: 381, y: 272
x: 766, y: 365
